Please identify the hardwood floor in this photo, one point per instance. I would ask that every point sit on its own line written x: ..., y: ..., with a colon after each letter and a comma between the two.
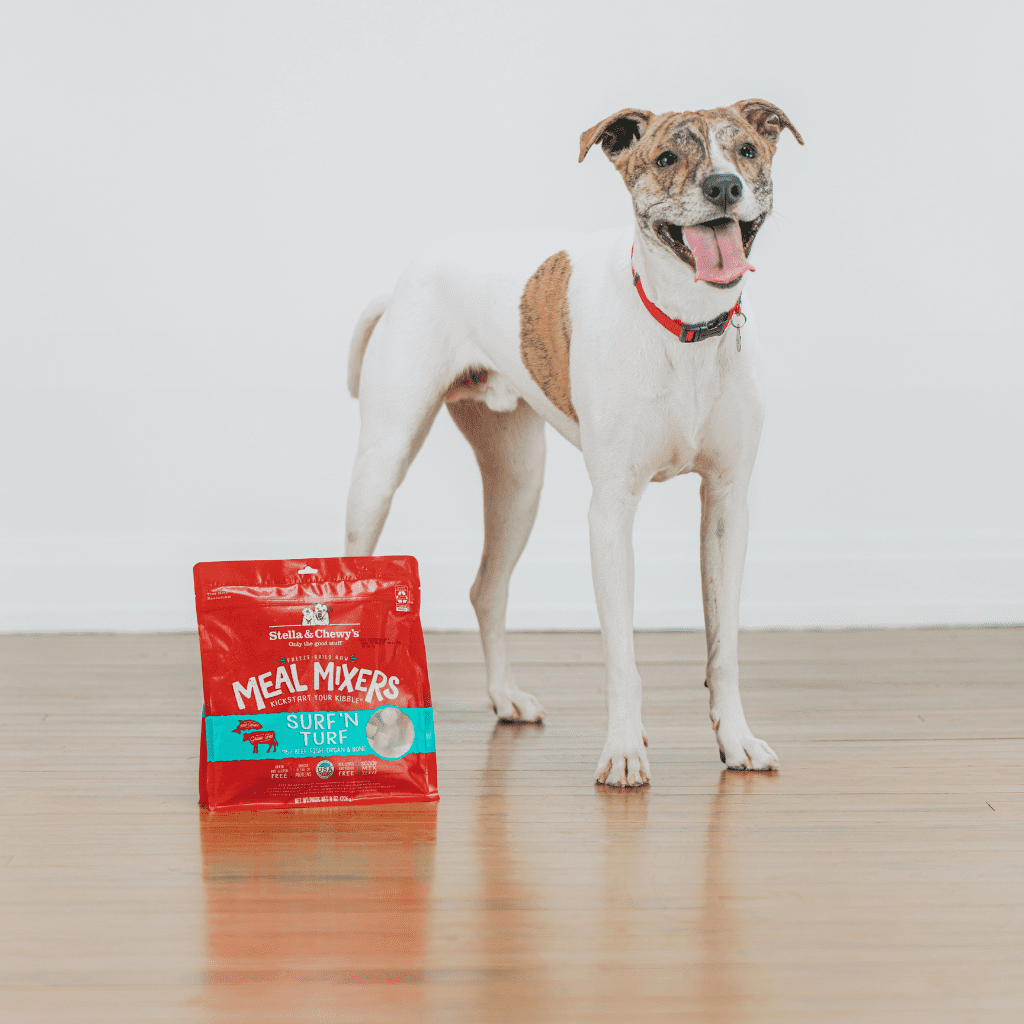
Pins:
x: 877, y: 877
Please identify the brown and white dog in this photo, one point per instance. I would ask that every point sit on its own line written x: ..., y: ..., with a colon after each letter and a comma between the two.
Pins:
x: 628, y: 343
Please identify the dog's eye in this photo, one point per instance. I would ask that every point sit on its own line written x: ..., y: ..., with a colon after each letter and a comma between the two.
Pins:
x: 666, y: 159
x: 748, y: 151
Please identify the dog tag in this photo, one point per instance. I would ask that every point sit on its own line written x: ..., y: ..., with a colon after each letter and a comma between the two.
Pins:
x: 739, y: 332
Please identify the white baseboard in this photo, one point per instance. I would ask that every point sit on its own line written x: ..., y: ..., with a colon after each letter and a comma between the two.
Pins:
x: 144, y: 583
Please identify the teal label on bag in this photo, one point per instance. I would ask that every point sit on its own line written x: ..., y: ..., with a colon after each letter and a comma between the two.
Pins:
x: 388, y: 732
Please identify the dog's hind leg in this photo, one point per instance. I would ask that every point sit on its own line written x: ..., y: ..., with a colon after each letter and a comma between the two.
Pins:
x: 510, y: 450
x: 401, y: 385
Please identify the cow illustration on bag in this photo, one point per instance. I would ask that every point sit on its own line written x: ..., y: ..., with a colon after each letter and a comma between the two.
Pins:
x: 256, y: 738
x: 247, y: 728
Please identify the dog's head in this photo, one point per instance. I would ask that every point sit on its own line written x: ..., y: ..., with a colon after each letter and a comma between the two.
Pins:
x: 701, y: 181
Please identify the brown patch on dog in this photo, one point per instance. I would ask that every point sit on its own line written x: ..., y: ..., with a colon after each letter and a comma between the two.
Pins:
x: 545, y: 329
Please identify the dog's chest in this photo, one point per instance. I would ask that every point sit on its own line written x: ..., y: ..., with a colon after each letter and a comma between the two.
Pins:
x: 686, y: 408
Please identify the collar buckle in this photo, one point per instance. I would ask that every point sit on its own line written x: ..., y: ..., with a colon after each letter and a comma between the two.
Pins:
x: 708, y: 329
x: 698, y: 332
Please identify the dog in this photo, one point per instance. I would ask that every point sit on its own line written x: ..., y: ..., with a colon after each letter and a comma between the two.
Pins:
x: 635, y: 346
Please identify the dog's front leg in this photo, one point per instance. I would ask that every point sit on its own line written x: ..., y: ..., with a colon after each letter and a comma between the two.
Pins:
x: 623, y: 760
x: 723, y: 549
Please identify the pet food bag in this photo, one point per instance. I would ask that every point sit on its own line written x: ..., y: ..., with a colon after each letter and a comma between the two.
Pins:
x: 315, y: 687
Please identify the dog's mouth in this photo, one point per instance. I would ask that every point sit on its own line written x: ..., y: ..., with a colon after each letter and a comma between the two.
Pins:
x: 716, y: 249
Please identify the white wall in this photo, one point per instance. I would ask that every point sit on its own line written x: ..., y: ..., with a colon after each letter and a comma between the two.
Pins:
x: 196, y: 199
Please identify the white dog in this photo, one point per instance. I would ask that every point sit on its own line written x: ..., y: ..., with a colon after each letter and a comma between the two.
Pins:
x: 628, y: 342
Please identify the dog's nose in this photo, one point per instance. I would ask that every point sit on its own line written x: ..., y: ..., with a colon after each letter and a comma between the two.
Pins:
x: 723, y: 189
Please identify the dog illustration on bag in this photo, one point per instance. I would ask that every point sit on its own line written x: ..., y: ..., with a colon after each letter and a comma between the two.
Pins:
x: 317, y: 615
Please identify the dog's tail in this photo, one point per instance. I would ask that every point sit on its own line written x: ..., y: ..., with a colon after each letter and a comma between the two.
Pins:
x: 361, y: 337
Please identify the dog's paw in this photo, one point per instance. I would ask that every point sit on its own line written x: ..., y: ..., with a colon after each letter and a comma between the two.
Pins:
x: 624, y: 764
x: 742, y: 751
x: 516, y: 706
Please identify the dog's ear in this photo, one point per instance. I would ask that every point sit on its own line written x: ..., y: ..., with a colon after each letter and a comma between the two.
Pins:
x: 767, y: 119
x: 616, y: 133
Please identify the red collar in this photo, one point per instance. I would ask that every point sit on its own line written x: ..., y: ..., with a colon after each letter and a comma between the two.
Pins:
x: 685, y: 332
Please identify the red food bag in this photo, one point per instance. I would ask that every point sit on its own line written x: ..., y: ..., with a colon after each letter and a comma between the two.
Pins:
x: 315, y: 688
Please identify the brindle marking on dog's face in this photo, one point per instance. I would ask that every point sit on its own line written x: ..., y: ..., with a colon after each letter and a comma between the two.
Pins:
x: 665, y: 159
x: 668, y: 199
x: 545, y: 330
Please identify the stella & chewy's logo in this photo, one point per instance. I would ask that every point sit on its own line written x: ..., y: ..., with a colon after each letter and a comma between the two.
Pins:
x: 403, y: 599
x: 314, y: 618
x: 250, y: 734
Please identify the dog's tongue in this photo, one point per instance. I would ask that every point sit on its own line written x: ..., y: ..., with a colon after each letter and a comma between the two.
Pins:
x: 718, y: 251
